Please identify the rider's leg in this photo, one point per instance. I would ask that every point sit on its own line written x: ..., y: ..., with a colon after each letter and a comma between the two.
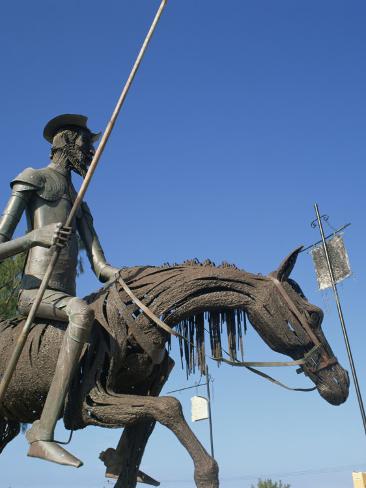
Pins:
x: 41, y: 435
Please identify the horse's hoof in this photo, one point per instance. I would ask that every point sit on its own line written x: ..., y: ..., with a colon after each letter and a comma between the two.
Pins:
x: 207, y: 483
x: 208, y: 477
x: 51, y: 451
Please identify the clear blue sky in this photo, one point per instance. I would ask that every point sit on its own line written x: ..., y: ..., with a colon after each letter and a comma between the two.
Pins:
x: 243, y: 115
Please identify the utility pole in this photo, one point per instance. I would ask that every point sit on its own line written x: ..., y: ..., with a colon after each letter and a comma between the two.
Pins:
x: 207, y: 384
x: 209, y: 410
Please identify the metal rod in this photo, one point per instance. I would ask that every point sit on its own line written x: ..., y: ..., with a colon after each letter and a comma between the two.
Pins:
x: 186, y: 388
x: 56, y: 251
x: 114, y: 116
x: 326, y: 237
x: 341, y: 318
x: 209, y: 410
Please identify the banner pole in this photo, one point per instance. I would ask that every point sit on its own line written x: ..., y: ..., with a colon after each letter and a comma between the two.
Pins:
x: 341, y: 317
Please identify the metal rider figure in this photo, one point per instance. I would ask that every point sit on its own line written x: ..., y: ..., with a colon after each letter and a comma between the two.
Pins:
x: 47, y: 195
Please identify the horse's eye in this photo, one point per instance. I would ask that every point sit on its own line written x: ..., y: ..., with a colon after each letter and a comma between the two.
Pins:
x: 314, y: 318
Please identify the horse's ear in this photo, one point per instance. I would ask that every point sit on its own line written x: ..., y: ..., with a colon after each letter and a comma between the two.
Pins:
x: 287, y: 265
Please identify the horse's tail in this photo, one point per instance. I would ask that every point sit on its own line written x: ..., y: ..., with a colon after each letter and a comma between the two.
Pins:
x: 9, y: 429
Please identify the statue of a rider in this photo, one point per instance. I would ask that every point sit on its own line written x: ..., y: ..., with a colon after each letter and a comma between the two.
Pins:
x: 47, y: 195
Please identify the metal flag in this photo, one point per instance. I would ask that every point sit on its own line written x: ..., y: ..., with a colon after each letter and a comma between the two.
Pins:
x: 339, y: 259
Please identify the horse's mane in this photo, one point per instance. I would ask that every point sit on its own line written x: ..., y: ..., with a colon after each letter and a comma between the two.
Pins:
x: 214, y: 324
x: 197, y: 262
x: 224, y: 328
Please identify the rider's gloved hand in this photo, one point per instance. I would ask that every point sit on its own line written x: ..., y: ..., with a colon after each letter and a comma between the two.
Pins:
x: 108, y: 273
x: 52, y: 234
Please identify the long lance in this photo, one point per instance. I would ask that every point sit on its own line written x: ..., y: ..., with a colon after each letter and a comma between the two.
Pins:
x: 55, y: 249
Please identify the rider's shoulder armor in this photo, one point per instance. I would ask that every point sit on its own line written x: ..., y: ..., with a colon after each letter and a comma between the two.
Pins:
x: 29, y: 179
x: 49, y: 184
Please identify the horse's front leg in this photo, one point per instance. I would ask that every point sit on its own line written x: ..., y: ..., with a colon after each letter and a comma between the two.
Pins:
x: 125, y: 460
x: 113, y: 409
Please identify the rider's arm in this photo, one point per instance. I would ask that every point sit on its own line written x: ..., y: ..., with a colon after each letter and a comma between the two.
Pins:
x: 101, y: 268
x: 16, y: 246
x: 12, y: 213
x: 9, y: 220
x: 23, y: 187
x: 45, y: 237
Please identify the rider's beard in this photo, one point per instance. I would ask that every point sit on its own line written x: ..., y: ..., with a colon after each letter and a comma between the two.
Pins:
x: 75, y: 159
x: 79, y: 162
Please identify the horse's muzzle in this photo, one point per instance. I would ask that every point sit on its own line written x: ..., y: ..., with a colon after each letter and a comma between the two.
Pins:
x: 333, y: 384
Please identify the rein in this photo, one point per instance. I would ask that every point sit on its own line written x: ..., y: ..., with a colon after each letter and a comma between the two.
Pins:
x: 146, y: 309
x: 250, y: 364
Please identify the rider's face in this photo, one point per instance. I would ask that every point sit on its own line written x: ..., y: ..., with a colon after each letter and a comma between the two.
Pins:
x: 73, y: 146
x: 83, y: 152
x: 84, y: 145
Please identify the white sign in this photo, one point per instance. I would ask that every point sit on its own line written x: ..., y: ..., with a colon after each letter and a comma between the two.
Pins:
x: 199, y: 408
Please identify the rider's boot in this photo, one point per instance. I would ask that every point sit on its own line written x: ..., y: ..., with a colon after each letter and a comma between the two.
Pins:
x: 41, y: 434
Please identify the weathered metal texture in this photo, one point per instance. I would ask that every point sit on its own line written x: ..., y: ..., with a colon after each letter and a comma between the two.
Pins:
x: 111, y: 387
x: 49, y: 203
x: 124, y: 461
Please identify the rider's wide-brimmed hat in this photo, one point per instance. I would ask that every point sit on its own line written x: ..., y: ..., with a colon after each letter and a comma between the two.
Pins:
x: 67, y: 121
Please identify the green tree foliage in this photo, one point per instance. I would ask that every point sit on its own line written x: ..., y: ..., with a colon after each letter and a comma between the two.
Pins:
x: 10, y: 275
x: 270, y: 484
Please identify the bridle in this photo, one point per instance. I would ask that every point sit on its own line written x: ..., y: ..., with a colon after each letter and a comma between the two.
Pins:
x: 325, y: 359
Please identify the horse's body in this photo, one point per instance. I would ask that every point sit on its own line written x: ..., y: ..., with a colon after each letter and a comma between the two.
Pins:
x: 125, y: 366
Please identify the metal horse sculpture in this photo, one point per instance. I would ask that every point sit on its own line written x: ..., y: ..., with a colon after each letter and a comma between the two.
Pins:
x: 125, y: 366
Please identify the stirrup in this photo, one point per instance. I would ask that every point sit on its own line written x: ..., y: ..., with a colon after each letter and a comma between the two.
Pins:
x: 51, y: 451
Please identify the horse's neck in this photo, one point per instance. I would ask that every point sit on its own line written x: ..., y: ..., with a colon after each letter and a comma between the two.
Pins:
x: 158, y: 288
x: 121, y: 318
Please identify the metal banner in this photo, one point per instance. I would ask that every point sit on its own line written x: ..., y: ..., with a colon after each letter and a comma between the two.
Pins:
x: 339, y: 259
x: 199, y: 408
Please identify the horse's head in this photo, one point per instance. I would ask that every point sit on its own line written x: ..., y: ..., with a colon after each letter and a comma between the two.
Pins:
x: 194, y: 296
x: 291, y: 325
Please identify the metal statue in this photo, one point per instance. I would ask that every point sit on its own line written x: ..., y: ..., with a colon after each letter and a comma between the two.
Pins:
x: 46, y: 196
x: 124, y: 366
